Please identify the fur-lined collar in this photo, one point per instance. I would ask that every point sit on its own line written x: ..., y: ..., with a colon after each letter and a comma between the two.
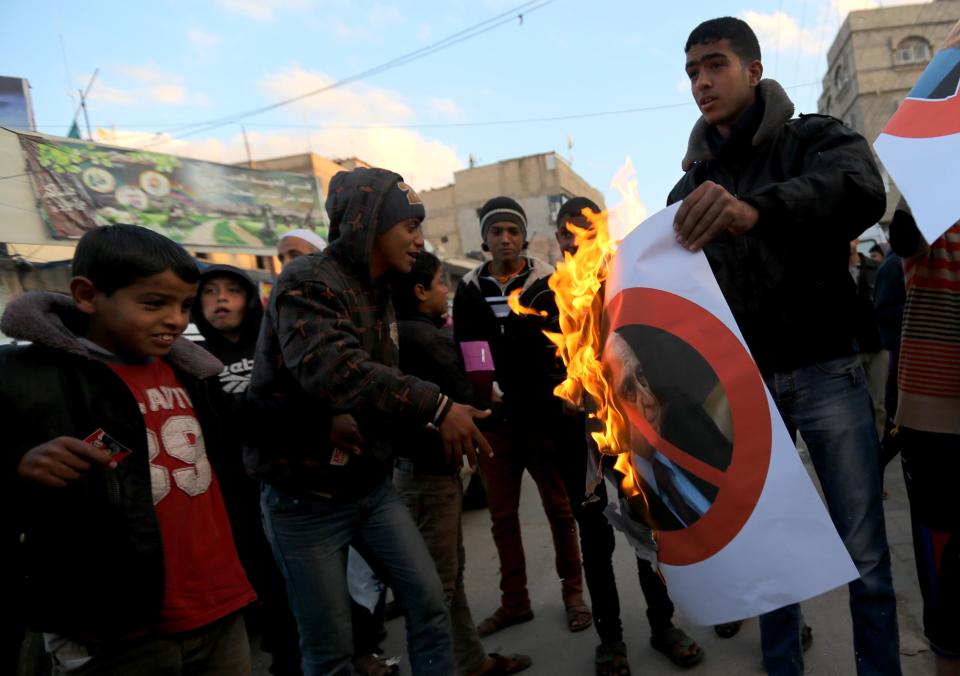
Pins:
x: 50, y: 319
x: 778, y: 108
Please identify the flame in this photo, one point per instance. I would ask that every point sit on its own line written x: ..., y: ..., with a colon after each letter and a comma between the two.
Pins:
x: 578, y: 285
x: 513, y: 302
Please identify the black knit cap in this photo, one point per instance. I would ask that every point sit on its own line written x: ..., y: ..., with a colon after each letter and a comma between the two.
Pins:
x: 400, y: 203
x: 499, y: 210
x: 574, y: 207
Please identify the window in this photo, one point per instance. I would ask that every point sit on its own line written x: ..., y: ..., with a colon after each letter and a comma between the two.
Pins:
x: 840, y: 76
x: 911, y: 50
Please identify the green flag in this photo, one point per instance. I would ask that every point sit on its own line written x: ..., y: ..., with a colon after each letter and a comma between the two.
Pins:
x: 74, y: 131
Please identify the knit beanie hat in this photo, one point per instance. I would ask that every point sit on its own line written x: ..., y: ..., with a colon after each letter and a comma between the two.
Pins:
x: 400, y: 203
x: 574, y: 207
x: 500, y: 209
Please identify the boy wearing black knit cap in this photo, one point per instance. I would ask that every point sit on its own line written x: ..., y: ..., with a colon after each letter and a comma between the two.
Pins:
x: 526, y: 372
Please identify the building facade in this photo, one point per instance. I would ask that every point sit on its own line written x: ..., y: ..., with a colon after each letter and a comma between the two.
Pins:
x: 874, y: 61
x: 540, y: 183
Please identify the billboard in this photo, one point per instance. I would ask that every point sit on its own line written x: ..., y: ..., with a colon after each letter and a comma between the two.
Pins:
x: 81, y: 185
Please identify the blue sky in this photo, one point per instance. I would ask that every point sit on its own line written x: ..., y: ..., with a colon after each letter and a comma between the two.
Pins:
x: 169, y: 63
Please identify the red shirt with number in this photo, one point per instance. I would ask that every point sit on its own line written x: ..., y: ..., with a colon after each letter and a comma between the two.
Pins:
x: 204, y: 578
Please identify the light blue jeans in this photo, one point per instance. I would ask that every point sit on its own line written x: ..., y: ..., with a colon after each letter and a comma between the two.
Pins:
x: 310, y: 537
x: 831, y: 407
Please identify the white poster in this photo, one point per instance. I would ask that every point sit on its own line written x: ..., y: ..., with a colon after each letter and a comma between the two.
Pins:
x: 740, y: 527
x: 921, y: 142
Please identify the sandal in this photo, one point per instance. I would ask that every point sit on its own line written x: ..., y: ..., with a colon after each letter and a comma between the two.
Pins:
x: 579, y: 617
x: 728, y: 629
x: 376, y: 665
x: 611, y: 659
x: 682, y: 650
x: 501, y: 619
x: 507, y: 664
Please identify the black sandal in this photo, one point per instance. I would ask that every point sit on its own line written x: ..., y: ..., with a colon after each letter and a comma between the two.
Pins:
x: 611, y: 659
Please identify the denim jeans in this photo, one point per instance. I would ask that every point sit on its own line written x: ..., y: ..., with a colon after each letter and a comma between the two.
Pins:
x: 310, y: 538
x: 829, y: 404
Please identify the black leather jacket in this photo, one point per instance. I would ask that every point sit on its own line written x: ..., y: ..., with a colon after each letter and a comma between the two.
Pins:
x: 816, y: 187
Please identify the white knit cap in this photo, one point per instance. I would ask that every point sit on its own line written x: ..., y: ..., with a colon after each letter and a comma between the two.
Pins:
x: 308, y: 236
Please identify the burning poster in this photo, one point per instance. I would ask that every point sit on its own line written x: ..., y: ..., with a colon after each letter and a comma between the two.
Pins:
x: 921, y: 142
x: 706, y: 460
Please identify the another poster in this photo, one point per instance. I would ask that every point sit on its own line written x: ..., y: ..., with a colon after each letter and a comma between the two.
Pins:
x: 81, y: 186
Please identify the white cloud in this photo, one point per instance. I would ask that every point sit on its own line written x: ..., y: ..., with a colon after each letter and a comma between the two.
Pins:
x: 424, y: 33
x: 133, y: 85
x: 346, y: 32
x: 262, y: 10
x: 447, y: 108
x: 424, y: 162
x: 385, y: 14
x: 202, y: 38
x: 780, y: 32
x: 354, y: 104
x: 683, y: 85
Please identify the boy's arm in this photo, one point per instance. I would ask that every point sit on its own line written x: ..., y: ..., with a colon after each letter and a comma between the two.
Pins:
x: 838, y: 194
x: 321, y: 348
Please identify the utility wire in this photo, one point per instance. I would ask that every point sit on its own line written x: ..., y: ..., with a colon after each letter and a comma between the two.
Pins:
x: 461, y: 36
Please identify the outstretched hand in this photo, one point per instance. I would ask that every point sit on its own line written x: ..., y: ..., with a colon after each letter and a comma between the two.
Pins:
x: 461, y: 436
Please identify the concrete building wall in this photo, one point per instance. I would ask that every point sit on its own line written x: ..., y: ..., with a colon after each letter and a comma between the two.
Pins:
x: 876, y: 58
x: 540, y: 183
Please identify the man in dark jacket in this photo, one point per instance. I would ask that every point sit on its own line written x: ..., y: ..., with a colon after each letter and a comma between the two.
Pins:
x: 227, y: 314
x: 526, y: 371
x: 328, y: 347
x: 774, y: 203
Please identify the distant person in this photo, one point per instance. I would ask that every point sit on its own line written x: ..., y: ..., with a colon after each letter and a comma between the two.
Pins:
x: 227, y: 314
x: 873, y: 356
x: 120, y: 467
x: 877, y: 254
x: 524, y: 362
x: 299, y: 242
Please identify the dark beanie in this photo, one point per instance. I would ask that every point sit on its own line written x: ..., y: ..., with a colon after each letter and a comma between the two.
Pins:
x: 400, y: 203
x: 500, y: 209
x: 574, y: 207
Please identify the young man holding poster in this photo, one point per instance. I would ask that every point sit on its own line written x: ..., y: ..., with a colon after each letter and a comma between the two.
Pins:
x: 774, y: 202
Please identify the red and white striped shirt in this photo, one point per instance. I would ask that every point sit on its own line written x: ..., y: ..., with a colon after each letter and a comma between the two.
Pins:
x: 929, y: 375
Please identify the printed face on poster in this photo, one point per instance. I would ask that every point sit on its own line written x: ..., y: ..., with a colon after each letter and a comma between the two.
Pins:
x: 740, y: 527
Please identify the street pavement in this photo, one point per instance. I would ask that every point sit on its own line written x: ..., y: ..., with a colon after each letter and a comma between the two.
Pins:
x: 555, y: 650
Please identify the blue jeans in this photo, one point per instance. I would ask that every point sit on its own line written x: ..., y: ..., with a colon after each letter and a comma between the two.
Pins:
x: 830, y: 405
x: 309, y: 538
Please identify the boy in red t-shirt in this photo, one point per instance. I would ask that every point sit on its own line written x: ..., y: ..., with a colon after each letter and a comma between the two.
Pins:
x: 127, y: 556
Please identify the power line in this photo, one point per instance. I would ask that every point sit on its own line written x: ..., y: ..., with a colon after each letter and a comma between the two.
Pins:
x: 461, y: 36
x: 480, y: 123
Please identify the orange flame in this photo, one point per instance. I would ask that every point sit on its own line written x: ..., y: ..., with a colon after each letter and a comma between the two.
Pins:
x: 578, y: 285
x: 513, y: 302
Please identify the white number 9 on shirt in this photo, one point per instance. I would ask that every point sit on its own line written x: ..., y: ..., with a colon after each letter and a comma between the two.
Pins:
x: 183, y: 440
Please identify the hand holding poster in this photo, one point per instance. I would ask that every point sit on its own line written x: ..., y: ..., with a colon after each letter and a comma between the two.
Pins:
x: 921, y: 142
x: 708, y: 462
